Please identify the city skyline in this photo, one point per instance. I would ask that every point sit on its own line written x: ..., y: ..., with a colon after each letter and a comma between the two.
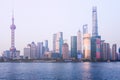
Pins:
x: 32, y: 26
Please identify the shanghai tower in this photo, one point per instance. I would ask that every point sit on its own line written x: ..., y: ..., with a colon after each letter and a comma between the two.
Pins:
x: 94, y: 22
x: 96, y: 38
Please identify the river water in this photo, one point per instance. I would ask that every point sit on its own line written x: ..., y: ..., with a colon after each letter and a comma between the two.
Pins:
x: 60, y: 71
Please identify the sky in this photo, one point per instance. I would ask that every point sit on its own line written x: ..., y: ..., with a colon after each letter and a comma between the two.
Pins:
x: 38, y: 20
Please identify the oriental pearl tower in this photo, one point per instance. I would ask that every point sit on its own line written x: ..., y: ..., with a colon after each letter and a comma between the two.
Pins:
x: 13, y: 27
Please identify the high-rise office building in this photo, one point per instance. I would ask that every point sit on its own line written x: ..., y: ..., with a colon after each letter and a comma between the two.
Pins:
x: 6, y: 54
x: 114, y: 52
x: 96, y: 39
x: 74, y: 47
x: 95, y: 48
x: 40, y: 50
x: 58, y: 42
x: 86, y: 44
x: 119, y: 53
x: 33, y: 51
x: 119, y: 50
x: 46, y: 46
x: 79, y: 45
x: 101, y: 49
x: 108, y: 51
x: 27, y: 52
x: 105, y: 51
x: 54, y: 43
x: 65, y: 51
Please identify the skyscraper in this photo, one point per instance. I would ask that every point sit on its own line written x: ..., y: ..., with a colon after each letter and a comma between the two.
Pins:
x: 105, y: 51
x: 33, y: 51
x: 40, y: 50
x: 27, y: 52
x: 79, y: 45
x: 119, y: 50
x: 74, y: 47
x: 65, y: 51
x: 46, y: 46
x: 96, y: 39
x: 94, y: 22
x: 6, y: 54
x: 119, y: 53
x: 54, y: 43
x: 114, y: 52
x: 58, y: 42
x: 101, y: 49
x: 86, y: 43
x: 95, y: 47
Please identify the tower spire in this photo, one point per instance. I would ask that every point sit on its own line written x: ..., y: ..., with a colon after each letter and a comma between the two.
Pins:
x: 14, y: 54
x: 13, y: 16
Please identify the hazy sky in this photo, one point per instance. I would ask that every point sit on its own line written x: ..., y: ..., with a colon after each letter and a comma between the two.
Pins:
x: 38, y: 20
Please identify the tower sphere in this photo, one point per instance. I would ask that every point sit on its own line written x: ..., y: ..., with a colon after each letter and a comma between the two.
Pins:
x: 12, y: 27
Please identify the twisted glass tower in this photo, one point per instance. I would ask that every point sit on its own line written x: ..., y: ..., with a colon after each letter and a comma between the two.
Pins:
x: 94, y: 22
x: 96, y: 39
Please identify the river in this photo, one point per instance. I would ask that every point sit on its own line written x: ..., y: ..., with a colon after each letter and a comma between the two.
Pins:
x: 60, y: 71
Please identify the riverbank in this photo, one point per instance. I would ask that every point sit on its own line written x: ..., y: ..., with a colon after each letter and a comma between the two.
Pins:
x: 54, y: 60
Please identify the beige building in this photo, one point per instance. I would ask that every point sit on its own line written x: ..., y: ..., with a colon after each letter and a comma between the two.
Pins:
x: 86, y: 46
x: 65, y: 51
x: 57, y: 42
x: 58, y: 36
x: 79, y: 46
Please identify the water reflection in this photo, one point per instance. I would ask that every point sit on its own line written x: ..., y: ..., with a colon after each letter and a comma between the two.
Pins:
x: 86, y: 71
x: 60, y: 71
x: 10, y: 71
